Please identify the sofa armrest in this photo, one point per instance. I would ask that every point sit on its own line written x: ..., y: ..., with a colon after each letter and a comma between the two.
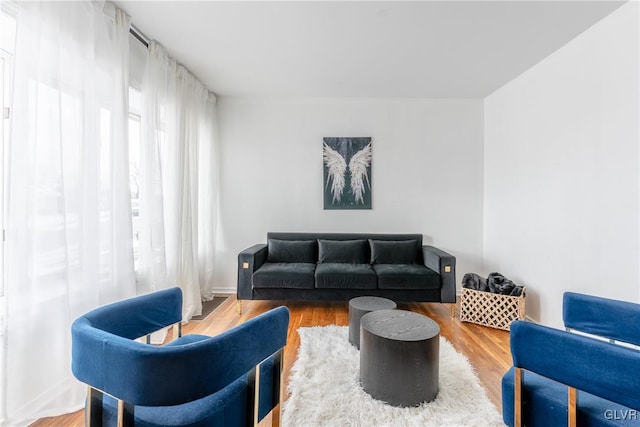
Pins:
x: 445, y: 264
x: 249, y: 260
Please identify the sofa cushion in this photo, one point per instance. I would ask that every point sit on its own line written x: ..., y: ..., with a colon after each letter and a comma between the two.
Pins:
x: 284, y: 275
x: 343, y: 251
x: 298, y: 251
x: 394, y: 251
x: 406, y: 276
x: 345, y: 276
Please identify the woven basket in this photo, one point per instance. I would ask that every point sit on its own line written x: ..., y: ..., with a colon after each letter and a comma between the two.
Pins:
x: 489, y: 309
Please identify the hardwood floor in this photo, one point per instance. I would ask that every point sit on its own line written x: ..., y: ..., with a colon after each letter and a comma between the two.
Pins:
x: 487, y: 349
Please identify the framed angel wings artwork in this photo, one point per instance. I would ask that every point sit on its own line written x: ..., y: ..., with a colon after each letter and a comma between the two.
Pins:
x: 347, y: 173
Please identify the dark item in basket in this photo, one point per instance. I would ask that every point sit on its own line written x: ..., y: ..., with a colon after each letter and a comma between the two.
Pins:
x: 474, y: 281
x: 498, y: 284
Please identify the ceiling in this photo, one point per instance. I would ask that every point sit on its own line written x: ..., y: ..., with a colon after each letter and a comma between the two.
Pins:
x: 422, y: 49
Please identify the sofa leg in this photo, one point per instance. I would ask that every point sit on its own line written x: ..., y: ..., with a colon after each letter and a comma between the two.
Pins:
x: 453, y: 310
x: 239, y: 307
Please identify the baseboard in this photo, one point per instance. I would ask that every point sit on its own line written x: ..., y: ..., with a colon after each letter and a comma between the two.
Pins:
x: 227, y: 291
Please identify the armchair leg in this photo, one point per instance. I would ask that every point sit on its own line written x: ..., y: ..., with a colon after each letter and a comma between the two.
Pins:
x: 125, y: 414
x: 276, y: 413
x: 93, y: 412
x: 517, y: 397
x: 573, y: 401
x: 255, y: 418
x: 239, y: 307
x: 452, y: 307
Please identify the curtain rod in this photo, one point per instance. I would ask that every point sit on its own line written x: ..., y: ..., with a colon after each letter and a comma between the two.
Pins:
x: 135, y: 32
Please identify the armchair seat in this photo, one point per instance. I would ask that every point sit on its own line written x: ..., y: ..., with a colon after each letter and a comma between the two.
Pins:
x: 217, y: 410
x: 549, y: 400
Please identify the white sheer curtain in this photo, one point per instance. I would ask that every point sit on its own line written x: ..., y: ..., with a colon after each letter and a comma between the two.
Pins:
x: 178, y: 186
x: 69, y: 242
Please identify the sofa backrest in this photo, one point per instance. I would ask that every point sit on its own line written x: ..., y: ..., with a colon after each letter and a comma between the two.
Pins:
x: 302, y: 236
x: 343, y: 236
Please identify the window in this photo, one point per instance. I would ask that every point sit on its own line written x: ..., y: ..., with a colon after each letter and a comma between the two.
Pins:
x: 137, y: 63
x: 7, y: 49
x: 134, y: 166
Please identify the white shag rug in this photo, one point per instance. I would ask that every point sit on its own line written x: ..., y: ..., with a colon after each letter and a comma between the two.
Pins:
x: 326, y: 392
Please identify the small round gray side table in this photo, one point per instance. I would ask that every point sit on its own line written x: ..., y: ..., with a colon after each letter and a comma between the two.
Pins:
x: 399, y: 357
x: 360, y: 306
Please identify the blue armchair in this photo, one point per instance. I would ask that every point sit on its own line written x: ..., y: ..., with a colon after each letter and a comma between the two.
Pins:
x: 562, y: 378
x: 233, y: 379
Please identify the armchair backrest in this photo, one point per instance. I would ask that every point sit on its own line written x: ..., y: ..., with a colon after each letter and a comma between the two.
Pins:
x: 597, y: 367
x: 138, y: 316
x: 105, y: 357
x: 607, y: 318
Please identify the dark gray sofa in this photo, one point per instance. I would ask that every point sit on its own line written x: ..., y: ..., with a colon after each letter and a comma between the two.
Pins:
x: 341, y: 266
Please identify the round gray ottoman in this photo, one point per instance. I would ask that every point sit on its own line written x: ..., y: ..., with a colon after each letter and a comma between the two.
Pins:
x: 399, y: 353
x: 360, y: 306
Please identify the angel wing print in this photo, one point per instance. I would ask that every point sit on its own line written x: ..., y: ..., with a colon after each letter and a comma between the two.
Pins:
x: 347, y: 160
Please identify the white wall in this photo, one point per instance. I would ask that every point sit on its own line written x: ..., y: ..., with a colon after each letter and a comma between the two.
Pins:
x: 561, y: 180
x: 426, y: 172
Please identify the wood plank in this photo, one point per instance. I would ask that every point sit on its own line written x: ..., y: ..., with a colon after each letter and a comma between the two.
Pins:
x: 486, y: 348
